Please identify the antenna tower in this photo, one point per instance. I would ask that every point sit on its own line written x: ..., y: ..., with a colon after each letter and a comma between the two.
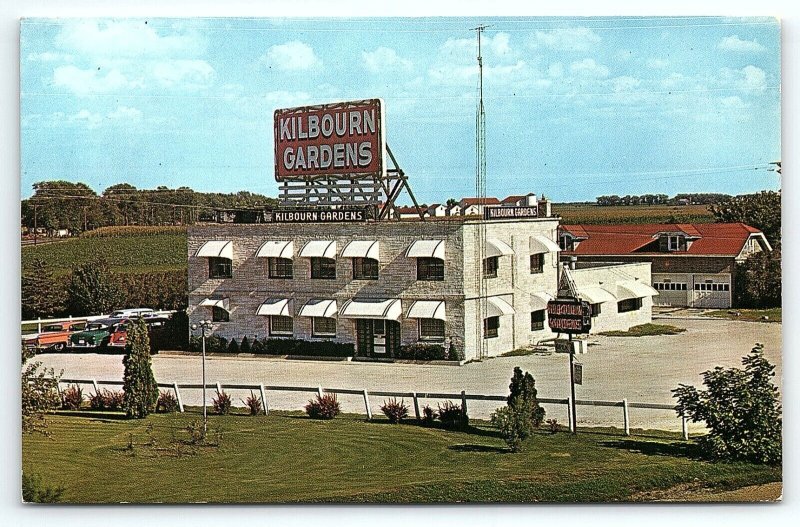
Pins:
x: 480, y: 192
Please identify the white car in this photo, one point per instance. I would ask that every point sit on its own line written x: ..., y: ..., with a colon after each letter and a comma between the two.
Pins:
x: 132, y: 313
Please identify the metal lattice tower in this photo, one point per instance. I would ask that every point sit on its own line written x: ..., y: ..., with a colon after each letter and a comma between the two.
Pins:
x: 480, y: 191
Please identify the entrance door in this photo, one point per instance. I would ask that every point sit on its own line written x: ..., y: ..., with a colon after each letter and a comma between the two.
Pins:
x: 377, y: 337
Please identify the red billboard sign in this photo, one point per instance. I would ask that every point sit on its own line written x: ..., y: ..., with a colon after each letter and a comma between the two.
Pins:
x: 569, y: 315
x: 343, y: 139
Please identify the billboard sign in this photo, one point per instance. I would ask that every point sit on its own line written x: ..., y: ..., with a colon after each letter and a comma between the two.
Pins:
x: 344, y: 139
x: 500, y: 213
x: 320, y: 215
x: 569, y: 315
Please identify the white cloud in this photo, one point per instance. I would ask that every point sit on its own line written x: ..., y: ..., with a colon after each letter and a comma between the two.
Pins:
x: 624, y: 83
x: 734, y: 43
x: 567, y: 39
x: 49, y: 56
x: 732, y: 102
x: 286, y: 99
x: 385, y: 59
x: 657, y: 64
x: 89, y: 81
x: 753, y: 78
x: 589, y: 68
x: 125, y: 113
x: 90, y: 119
x: 126, y: 38
x: 465, y: 50
x: 291, y: 56
x: 188, y: 73
x: 556, y: 69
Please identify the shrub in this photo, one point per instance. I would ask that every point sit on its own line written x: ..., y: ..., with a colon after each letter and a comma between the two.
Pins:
x: 553, y: 426
x: 40, y: 396
x: 72, y: 397
x: 514, y: 423
x: 253, y: 403
x: 233, y: 346
x: 221, y: 403
x: 167, y: 403
x: 324, y: 348
x: 422, y: 352
x: 455, y: 353
x: 245, y: 347
x: 740, y: 408
x: 138, y: 382
x: 428, y: 416
x: 395, y: 411
x: 34, y: 491
x: 257, y: 347
x: 106, y: 400
x: 325, y: 407
x: 523, y: 389
x: 452, y: 415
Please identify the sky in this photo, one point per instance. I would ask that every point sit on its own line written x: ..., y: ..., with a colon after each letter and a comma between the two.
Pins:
x: 575, y: 107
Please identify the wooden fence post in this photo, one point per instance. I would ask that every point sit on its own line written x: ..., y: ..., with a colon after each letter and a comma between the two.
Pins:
x: 319, y: 391
x: 178, y: 396
x: 684, y: 428
x: 366, y: 404
x: 219, y: 389
x: 39, y: 325
x: 416, y: 405
x: 569, y: 414
x: 626, y: 422
x: 264, y: 399
x: 96, y: 389
x: 464, y: 405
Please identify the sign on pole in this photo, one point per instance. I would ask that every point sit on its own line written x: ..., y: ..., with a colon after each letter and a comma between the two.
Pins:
x: 564, y: 346
x: 578, y: 372
x: 569, y: 315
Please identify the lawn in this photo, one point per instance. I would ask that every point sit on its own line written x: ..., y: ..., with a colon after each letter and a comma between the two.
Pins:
x: 286, y: 457
x: 774, y: 314
x: 645, y: 330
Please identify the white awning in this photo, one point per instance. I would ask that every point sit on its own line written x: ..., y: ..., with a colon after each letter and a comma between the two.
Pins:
x: 273, y: 249
x: 426, y: 249
x: 223, y: 303
x: 361, y: 249
x: 542, y: 244
x: 390, y: 309
x: 497, y: 307
x: 319, y: 308
x: 539, y: 301
x: 216, y: 249
x: 495, y: 247
x: 595, y: 295
x: 634, y: 289
x: 427, y: 309
x: 275, y: 306
x: 319, y: 249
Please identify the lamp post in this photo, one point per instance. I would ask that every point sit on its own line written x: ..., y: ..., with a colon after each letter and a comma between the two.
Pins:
x: 203, y: 326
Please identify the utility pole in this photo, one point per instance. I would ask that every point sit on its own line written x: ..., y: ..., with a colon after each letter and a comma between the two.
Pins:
x: 35, y: 223
x: 480, y: 192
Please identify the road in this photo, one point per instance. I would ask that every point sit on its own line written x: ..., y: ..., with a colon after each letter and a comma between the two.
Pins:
x: 642, y: 369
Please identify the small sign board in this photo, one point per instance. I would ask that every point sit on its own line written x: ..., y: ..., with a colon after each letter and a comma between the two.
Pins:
x: 564, y: 346
x: 499, y: 213
x: 577, y: 372
x: 321, y: 215
x: 569, y: 315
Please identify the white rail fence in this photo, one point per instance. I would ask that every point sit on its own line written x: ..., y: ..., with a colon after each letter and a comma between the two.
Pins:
x: 39, y: 322
x: 464, y: 397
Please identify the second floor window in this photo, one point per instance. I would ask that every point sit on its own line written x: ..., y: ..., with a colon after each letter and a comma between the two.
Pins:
x: 537, y: 263
x: 430, y: 269
x: 365, y: 269
x: 280, y: 268
x: 324, y: 268
x: 566, y: 242
x: 219, y: 268
x: 490, y: 266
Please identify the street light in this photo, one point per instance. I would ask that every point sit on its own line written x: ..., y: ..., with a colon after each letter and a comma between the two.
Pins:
x: 204, y: 325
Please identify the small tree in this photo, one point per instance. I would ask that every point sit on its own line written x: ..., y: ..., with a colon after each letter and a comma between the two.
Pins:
x: 523, y: 390
x: 139, y: 384
x: 741, y: 410
x: 233, y: 346
x: 39, y: 395
x: 245, y: 347
x: 758, y: 280
x: 42, y: 294
x: 514, y: 423
x: 93, y: 289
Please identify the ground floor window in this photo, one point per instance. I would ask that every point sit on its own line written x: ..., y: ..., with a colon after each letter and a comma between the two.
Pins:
x: 670, y: 286
x: 632, y: 304
x: 431, y: 329
x: 596, y: 309
x: 323, y: 327
x: 219, y: 315
x: 537, y: 263
x: 712, y: 287
x: 537, y: 320
x: 281, y: 325
x: 491, y: 326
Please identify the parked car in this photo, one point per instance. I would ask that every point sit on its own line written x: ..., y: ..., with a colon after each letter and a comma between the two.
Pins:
x: 132, y: 312
x: 96, y: 335
x: 119, y: 332
x: 53, y: 337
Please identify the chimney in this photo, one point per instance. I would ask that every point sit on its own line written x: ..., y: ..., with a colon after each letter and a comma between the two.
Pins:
x: 544, y: 207
x: 573, y: 260
x: 530, y: 200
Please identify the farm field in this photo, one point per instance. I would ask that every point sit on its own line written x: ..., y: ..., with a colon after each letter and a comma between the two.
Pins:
x: 287, y: 457
x: 133, y: 251
x: 586, y: 213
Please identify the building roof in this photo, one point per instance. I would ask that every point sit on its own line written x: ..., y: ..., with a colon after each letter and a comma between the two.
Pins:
x: 409, y: 210
x: 515, y: 199
x: 725, y: 239
x: 466, y: 202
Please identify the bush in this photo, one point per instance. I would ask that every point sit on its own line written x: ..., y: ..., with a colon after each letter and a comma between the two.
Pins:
x: 167, y: 403
x: 553, y: 426
x: 323, y: 348
x: 40, y: 395
x: 428, y: 416
x: 455, y: 353
x: 245, y: 347
x: 253, y: 403
x: 395, y: 411
x: 34, y: 491
x: 72, y: 397
x: 325, y: 407
x: 741, y: 410
x: 452, y: 416
x: 257, y: 347
x: 514, y: 423
x: 523, y: 390
x: 422, y: 352
x: 758, y: 280
x: 233, y: 347
x: 221, y: 403
x: 107, y: 400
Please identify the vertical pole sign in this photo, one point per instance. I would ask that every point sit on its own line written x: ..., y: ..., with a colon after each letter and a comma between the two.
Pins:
x: 570, y: 315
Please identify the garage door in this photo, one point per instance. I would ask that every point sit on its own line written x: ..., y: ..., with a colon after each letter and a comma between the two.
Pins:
x: 673, y: 289
x: 712, y: 291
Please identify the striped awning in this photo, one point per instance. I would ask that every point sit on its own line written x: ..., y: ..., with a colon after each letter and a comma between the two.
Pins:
x: 317, y: 307
x: 275, y: 306
x: 361, y: 249
x: 497, y: 307
x: 276, y: 249
x: 495, y: 247
x: 216, y: 249
x: 223, y: 303
x: 427, y: 309
x: 539, y: 301
x: 319, y: 249
x: 426, y: 249
x: 542, y: 244
x: 387, y: 309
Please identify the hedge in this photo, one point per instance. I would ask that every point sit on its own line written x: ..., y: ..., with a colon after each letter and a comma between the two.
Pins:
x: 296, y: 347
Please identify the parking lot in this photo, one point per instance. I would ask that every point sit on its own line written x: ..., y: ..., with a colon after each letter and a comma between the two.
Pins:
x: 642, y: 369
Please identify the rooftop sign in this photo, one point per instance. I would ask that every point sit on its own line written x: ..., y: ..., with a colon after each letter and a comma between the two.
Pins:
x: 495, y: 213
x: 343, y: 139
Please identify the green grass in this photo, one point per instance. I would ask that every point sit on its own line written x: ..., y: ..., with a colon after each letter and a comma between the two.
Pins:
x: 287, y: 457
x: 645, y: 330
x: 522, y: 352
x: 137, y: 253
x: 775, y: 314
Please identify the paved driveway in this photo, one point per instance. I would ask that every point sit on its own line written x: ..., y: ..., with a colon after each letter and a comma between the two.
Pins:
x: 641, y: 369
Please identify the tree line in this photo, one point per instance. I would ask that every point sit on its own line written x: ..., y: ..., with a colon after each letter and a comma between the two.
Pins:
x: 662, y: 199
x: 75, y: 207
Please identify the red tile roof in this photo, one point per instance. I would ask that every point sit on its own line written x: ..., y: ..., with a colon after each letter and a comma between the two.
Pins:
x: 726, y: 239
x: 466, y: 202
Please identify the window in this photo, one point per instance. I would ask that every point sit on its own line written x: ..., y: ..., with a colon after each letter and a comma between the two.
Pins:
x: 219, y: 268
x: 365, y: 269
x: 431, y: 329
x: 323, y: 327
x: 596, y: 309
x: 490, y: 327
x: 537, y: 263
x: 672, y: 242
x: 280, y: 325
x: 537, y: 320
x: 632, y: 304
x: 430, y: 269
x: 219, y: 315
x: 566, y: 242
x: 490, y: 266
x: 324, y: 268
x: 280, y: 268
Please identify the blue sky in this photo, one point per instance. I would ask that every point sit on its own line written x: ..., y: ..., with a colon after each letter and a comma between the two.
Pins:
x: 576, y: 108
